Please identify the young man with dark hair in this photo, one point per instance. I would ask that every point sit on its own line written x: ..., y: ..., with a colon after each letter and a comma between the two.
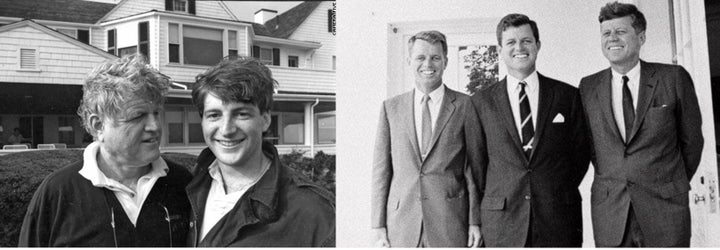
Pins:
x: 241, y: 194
x: 534, y: 149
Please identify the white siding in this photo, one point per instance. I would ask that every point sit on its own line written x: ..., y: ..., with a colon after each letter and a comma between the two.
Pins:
x: 132, y: 7
x: 315, y: 29
x: 304, y: 80
x: 98, y: 39
x: 58, y: 62
x: 211, y: 9
x: 202, y: 8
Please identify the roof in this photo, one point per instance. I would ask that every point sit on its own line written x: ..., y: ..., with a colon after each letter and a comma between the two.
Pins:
x: 57, y: 34
x: 76, y: 11
x: 283, y: 25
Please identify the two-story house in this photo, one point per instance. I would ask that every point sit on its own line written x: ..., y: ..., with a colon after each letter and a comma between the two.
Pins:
x: 47, y: 47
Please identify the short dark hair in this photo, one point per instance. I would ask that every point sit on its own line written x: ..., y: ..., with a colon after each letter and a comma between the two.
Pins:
x: 430, y: 36
x: 516, y: 20
x: 617, y: 10
x: 237, y: 79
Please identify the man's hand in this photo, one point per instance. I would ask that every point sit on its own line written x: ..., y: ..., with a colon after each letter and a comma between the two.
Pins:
x: 381, y: 238
x: 474, y: 236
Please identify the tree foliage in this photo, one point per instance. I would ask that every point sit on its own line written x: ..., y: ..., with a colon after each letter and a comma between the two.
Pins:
x: 483, y: 66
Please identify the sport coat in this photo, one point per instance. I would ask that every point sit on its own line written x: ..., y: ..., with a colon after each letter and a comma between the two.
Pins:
x: 652, y: 171
x: 436, y: 195
x: 543, y: 189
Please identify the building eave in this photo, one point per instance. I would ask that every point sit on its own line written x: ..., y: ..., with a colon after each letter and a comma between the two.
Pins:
x: 56, y: 34
x: 288, y: 42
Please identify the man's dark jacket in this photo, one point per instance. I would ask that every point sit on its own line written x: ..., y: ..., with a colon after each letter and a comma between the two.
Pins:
x: 67, y: 210
x: 282, y: 209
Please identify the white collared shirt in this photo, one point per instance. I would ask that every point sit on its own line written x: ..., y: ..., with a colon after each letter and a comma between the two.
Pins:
x: 218, y: 203
x: 130, y: 200
x: 617, y: 89
x: 436, y: 98
x: 531, y: 90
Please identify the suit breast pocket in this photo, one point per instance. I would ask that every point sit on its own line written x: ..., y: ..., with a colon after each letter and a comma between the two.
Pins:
x: 661, y: 118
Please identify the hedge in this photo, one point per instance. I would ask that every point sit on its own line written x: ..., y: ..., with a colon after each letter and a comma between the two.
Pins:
x: 21, y: 173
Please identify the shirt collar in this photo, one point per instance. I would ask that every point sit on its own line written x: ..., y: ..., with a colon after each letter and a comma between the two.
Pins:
x: 91, y: 171
x: 532, y: 81
x: 633, y: 74
x: 435, y: 95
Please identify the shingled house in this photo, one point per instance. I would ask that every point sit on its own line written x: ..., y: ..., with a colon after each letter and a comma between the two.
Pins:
x: 48, y: 46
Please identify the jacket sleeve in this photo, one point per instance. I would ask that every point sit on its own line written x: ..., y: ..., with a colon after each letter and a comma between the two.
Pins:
x: 35, y: 230
x: 475, y: 158
x: 381, y: 173
x: 581, y: 141
x: 690, y: 138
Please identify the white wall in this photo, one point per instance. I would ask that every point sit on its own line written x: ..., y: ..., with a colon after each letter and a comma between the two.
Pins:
x: 569, y: 31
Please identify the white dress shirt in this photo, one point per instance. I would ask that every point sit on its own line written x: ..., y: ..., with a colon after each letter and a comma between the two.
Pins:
x: 130, y: 200
x: 436, y: 99
x: 531, y: 90
x: 617, y: 95
x: 219, y: 203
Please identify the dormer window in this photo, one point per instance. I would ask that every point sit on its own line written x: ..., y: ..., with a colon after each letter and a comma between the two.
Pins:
x: 180, y: 5
x: 187, y: 6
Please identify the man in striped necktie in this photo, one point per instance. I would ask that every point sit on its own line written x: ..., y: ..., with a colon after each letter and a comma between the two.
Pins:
x: 533, y: 147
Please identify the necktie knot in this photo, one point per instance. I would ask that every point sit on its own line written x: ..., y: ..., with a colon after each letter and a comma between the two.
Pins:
x: 425, y: 99
x: 523, y: 84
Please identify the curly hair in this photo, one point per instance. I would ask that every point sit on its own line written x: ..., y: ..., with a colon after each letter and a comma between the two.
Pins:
x: 115, y: 82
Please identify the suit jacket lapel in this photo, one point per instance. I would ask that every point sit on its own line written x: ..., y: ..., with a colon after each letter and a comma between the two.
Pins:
x: 503, y: 106
x: 446, y: 111
x: 646, y: 90
x: 407, y: 110
x: 546, y: 99
x: 603, y: 91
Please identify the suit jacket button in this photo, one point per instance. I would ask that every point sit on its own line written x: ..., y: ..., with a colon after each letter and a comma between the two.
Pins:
x: 527, y: 197
x: 529, y: 170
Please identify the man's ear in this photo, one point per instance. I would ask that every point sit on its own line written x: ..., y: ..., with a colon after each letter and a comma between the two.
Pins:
x: 96, y: 124
x: 267, y: 119
x: 641, y: 36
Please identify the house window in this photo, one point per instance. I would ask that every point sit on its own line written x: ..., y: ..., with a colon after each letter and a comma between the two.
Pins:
x: 325, y: 128
x: 202, y: 46
x: 232, y: 44
x: 180, y: 5
x: 65, y: 129
x: 28, y: 59
x: 183, y: 126
x: 334, y: 62
x: 174, y: 119
x: 293, y: 61
x: 174, y: 42
x: 287, y: 128
x: 111, y: 41
x: 127, y: 51
x: 270, y: 56
x: 83, y: 36
x: 144, y: 40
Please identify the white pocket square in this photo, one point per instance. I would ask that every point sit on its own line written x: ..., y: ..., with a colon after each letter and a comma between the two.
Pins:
x: 559, y: 118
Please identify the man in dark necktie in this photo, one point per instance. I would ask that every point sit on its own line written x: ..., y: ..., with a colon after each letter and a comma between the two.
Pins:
x: 533, y: 147
x: 423, y: 193
x: 645, y: 124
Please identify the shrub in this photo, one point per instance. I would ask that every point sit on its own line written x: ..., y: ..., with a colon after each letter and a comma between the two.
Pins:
x: 21, y: 174
x: 320, y: 169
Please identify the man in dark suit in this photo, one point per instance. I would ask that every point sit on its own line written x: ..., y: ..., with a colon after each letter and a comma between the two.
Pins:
x: 423, y: 194
x: 534, y: 150
x: 645, y: 122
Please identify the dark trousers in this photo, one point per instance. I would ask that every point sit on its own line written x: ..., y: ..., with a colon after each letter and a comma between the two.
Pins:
x: 633, y: 236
